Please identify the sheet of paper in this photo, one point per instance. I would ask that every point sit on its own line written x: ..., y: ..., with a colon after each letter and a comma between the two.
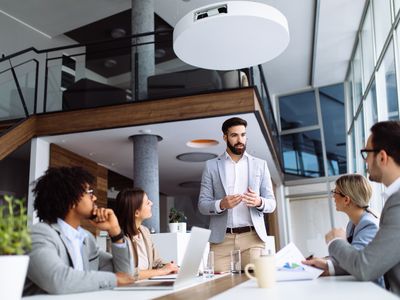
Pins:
x: 289, y: 266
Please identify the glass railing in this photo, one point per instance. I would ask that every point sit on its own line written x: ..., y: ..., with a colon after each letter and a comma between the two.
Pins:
x: 113, y: 72
x: 18, y: 90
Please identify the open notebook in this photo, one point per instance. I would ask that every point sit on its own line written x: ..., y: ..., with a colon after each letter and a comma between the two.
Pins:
x: 189, y: 268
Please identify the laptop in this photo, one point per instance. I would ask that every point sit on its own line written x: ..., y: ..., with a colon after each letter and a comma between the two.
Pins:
x: 188, y: 270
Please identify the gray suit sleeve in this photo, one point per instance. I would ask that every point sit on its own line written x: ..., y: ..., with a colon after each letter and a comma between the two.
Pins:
x: 206, y: 202
x: 377, y: 257
x: 266, y: 191
x: 49, y: 266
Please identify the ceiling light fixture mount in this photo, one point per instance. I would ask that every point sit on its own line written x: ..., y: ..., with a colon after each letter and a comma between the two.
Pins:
x: 231, y: 35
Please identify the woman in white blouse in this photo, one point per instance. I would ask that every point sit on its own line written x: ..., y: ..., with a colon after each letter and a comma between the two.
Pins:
x: 132, y: 208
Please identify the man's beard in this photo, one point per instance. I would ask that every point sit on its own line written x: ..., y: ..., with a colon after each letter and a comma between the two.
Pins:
x: 234, y: 150
x: 373, y: 171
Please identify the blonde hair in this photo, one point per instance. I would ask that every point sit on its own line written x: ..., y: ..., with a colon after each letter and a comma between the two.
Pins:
x: 356, y: 187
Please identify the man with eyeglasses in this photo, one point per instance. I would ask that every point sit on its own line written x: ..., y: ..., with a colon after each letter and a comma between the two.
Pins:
x: 64, y: 257
x: 382, y: 255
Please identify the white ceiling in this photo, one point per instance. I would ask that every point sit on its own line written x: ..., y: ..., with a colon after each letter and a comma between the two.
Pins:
x: 336, y: 28
x: 337, y: 24
x: 113, y: 149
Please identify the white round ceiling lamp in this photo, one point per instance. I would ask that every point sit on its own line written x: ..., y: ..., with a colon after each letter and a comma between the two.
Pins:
x: 231, y: 35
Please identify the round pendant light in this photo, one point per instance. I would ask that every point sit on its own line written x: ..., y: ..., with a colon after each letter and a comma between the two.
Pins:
x: 231, y: 35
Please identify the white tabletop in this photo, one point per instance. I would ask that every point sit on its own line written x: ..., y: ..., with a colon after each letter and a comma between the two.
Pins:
x: 118, y: 294
x: 326, y: 288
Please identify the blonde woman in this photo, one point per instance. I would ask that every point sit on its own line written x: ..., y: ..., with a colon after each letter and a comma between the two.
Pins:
x: 352, y: 195
x: 132, y: 208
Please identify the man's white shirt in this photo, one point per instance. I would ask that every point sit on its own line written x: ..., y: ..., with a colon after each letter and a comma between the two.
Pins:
x: 237, y: 182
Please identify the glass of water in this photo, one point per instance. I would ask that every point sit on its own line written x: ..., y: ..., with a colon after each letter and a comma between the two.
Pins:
x: 236, y: 262
x: 208, y: 265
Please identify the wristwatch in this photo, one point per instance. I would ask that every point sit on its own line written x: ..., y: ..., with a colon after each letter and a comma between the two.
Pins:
x: 117, y: 237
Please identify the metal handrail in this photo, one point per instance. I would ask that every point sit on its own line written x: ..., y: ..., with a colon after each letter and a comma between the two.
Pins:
x: 8, y: 57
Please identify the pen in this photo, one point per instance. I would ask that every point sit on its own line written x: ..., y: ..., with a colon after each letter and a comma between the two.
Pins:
x: 310, y: 257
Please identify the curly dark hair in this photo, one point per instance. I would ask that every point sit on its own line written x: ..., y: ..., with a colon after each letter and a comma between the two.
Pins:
x: 232, y: 122
x: 58, y: 190
x: 128, y: 201
x: 386, y: 136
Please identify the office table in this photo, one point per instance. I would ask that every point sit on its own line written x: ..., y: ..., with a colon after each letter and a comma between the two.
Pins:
x: 238, y: 287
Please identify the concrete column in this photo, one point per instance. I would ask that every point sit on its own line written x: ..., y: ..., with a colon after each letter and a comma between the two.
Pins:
x: 145, y: 173
x: 143, y: 61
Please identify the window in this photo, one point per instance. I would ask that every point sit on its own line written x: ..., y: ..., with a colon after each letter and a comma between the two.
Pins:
x: 360, y: 142
x: 372, y: 105
x: 298, y: 110
x: 367, y: 48
x: 357, y: 83
x: 396, y: 6
x: 382, y: 22
x: 333, y: 114
x: 388, y: 67
x: 302, y: 154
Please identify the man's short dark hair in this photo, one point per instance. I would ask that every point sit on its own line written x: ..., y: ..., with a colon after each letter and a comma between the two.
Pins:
x: 58, y: 190
x: 232, y: 122
x: 386, y: 136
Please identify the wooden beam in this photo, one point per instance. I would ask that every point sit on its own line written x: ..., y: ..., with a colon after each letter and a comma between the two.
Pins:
x: 148, y: 112
x: 18, y: 136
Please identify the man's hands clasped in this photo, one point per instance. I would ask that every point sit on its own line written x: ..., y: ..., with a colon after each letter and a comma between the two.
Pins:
x: 250, y: 198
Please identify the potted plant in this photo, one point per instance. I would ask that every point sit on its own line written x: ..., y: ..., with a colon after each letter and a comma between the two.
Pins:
x: 15, y: 241
x: 177, y: 221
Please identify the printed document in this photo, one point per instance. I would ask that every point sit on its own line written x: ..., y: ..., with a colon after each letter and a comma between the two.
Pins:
x: 289, y: 266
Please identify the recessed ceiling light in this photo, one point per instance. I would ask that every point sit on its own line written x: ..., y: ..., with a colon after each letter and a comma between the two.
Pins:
x: 196, y: 156
x: 202, y: 143
x: 145, y: 131
x: 118, y: 33
x: 110, y: 63
x: 159, y: 53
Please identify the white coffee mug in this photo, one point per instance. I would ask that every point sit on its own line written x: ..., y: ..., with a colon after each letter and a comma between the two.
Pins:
x: 264, y: 269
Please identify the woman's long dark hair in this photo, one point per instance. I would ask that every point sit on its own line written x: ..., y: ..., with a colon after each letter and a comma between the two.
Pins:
x: 128, y: 201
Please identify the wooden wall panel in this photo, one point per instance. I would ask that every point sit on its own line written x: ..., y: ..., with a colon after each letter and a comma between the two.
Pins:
x: 60, y: 157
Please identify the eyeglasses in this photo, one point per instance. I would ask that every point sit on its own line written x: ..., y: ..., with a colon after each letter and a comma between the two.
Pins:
x: 364, y: 152
x: 90, y: 193
x: 337, y: 193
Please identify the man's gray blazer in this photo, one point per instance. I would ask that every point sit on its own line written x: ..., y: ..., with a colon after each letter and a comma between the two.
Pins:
x: 381, y: 256
x: 51, y: 268
x: 213, y: 188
